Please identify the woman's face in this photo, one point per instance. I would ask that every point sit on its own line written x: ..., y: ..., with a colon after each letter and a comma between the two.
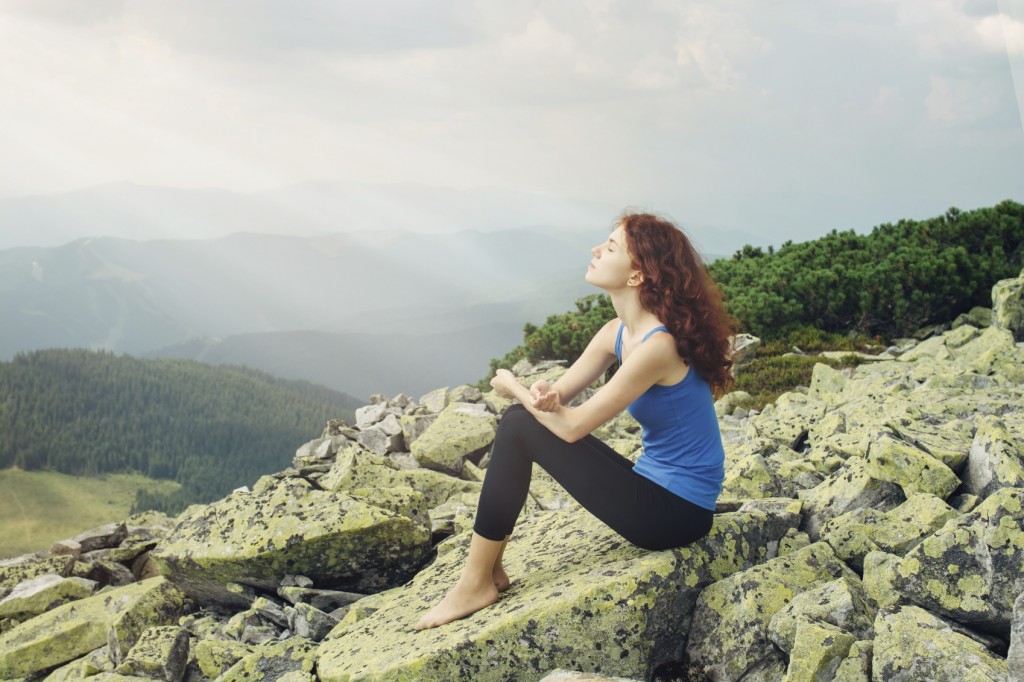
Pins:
x: 612, y: 265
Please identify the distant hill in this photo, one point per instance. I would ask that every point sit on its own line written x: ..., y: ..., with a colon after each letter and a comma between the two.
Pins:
x: 209, y: 428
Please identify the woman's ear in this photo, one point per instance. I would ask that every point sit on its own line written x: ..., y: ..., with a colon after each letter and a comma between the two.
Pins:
x: 636, y: 279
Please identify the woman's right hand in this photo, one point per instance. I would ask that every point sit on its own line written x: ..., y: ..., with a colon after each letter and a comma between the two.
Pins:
x: 543, y: 397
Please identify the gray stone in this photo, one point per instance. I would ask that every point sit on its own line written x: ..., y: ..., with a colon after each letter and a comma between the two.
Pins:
x: 1008, y: 306
x: 996, y: 459
x: 1015, y: 656
x: 160, y: 653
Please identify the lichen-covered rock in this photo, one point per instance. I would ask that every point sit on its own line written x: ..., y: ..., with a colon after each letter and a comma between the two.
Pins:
x: 970, y: 569
x: 215, y: 656
x: 729, y: 632
x: 255, y: 540
x: 76, y: 628
x: 460, y: 429
x: 572, y: 576
x: 842, y: 603
x: 880, y: 579
x: 750, y: 477
x: 37, y: 595
x: 855, y: 534
x: 1008, y: 306
x: 576, y: 676
x: 1015, y: 656
x: 356, y: 468
x: 912, y: 644
x: 996, y: 459
x: 827, y: 384
x: 851, y: 487
x: 818, y: 650
x: 273, y: 661
x: 21, y: 568
x: 856, y: 667
x: 913, y: 469
x: 160, y: 653
x: 788, y: 419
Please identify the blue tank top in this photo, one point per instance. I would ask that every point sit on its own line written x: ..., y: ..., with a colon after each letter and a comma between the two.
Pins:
x: 682, y: 443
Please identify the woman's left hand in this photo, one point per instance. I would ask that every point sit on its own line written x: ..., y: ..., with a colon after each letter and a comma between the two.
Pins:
x: 501, y: 383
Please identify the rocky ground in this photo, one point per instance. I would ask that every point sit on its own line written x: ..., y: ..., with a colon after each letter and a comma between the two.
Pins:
x: 871, y: 528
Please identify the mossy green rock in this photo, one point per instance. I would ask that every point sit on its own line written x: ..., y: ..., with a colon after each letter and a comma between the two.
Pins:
x: 913, y: 469
x: 818, y: 650
x: 850, y: 488
x: 996, y: 459
x: 912, y: 645
x: 572, y: 577
x: 855, y: 534
x: 729, y: 634
x: 40, y: 594
x: 460, y: 429
x: 841, y: 603
x: 74, y: 629
x: 160, y: 653
x: 970, y: 570
x: 255, y: 539
x: 20, y: 569
x: 274, y: 661
x: 356, y: 467
x: 1008, y: 305
x: 749, y: 477
x: 214, y: 656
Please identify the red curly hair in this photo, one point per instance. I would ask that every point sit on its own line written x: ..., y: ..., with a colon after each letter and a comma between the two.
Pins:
x: 678, y: 289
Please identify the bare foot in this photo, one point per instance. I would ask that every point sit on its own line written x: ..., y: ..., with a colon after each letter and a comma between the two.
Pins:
x: 461, y: 600
x: 501, y: 580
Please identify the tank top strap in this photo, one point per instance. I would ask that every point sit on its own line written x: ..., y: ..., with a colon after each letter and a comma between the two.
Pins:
x: 618, y: 342
x: 661, y: 328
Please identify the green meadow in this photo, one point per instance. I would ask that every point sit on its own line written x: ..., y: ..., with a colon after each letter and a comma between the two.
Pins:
x: 39, y: 507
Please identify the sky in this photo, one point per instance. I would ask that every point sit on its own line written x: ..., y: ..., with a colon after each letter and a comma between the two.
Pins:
x: 785, y: 118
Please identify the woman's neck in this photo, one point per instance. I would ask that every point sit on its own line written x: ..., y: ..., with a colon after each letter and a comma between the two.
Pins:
x: 628, y: 309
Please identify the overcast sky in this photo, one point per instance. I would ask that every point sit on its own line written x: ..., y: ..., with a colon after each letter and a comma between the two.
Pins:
x: 787, y: 118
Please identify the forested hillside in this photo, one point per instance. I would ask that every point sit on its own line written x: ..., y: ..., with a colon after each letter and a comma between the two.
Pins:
x: 209, y: 428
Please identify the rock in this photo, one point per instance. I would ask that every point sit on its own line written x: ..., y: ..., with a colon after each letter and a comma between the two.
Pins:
x: 818, y: 651
x: 110, y: 573
x: 413, y: 426
x: 215, y: 656
x: 996, y: 459
x: 109, y: 535
x: 312, y: 623
x: 369, y: 415
x: 116, y: 617
x: 576, y: 676
x: 273, y: 661
x: 435, y: 401
x: 856, y: 667
x: 729, y: 632
x: 94, y: 663
x: 461, y: 429
x: 969, y: 570
x: 22, y: 568
x: 841, y: 603
x: 377, y: 440
x: 977, y: 317
x: 160, y: 653
x: 880, y: 579
x: 913, y: 469
x: 255, y: 539
x: 850, y: 488
x: 1008, y: 306
x: 857, y: 533
x: 572, y: 577
x: 743, y: 348
x: 912, y: 644
x: 1015, y: 656
x: 730, y: 402
x: 37, y: 595
x: 325, y: 600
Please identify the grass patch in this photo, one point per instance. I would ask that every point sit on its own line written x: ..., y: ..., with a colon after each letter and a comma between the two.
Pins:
x: 40, y: 507
x: 770, y: 372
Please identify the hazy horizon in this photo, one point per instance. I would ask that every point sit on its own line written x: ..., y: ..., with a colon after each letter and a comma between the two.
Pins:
x: 782, y: 122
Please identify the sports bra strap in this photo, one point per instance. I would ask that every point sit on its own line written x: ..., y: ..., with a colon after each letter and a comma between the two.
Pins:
x: 618, y: 339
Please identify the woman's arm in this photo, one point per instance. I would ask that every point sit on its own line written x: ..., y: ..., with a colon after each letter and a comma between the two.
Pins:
x: 647, y: 365
x: 596, y: 358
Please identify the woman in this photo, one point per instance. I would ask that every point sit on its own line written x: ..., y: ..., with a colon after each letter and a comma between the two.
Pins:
x: 672, y: 338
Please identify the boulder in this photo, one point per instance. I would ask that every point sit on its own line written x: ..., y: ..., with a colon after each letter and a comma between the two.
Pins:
x: 289, y: 659
x: 22, y: 568
x: 160, y: 653
x: 1008, y: 306
x: 729, y: 634
x: 912, y: 644
x: 1015, y: 655
x: 841, y: 603
x: 572, y: 577
x: 818, y: 650
x: 913, y: 469
x: 37, y: 595
x: 460, y: 429
x: 116, y: 617
x: 996, y: 459
x: 215, y: 656
x: 850, y: 488
x: 970, y: 569
x: 255, y: 539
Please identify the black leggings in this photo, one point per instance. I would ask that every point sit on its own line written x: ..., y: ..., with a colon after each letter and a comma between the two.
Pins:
x: 600, y: 479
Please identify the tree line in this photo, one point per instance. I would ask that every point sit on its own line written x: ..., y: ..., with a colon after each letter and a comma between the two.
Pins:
x: 885, y: 284
x: 210, y: 428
